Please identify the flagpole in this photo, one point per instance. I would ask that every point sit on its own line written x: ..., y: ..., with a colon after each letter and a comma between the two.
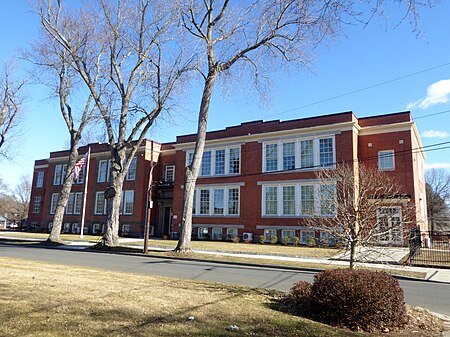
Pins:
x: 86, y: 179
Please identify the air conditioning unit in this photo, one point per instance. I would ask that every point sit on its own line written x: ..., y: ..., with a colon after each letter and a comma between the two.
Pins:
x: 247, y: 237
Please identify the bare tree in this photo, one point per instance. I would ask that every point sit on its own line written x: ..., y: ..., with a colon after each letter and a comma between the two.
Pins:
x: 438, y: 194
x: 55, y: 69
x: 250, y: 37
x: 369, y: 207
x: 11, y: 108
x: 14, y: 204
x: 122, y: 52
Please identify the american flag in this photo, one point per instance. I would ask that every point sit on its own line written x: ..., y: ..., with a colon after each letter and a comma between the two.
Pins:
x: 78, y: 166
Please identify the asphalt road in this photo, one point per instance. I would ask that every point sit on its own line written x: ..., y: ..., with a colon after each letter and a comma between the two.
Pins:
x: 431, y: 295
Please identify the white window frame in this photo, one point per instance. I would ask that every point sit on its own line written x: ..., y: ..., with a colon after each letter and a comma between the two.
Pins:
x: 202, y: 232
x: 78, y: 203
x: 305, y: 234
x: 211, y: 203
x: 316, y: 164
x: 37, y: 204
x: 232, y: 232
x: 279, y: 186
x: 217, y: 233
x: 393, y: 233
x: 54, y: 203
x: 70, y: 203
x: 96, y: 228
x: 97, y: 211
x: 40, y: 179
x: 212, y: 167
x: 169, y: 173
x: 59, y: 174
x: 128, y: 202
x: 290, y: 233
x: 125, y: 229
x: 386, y: 157
x: 104, y: 170
x: 131, y: 173
x: 269, y: 232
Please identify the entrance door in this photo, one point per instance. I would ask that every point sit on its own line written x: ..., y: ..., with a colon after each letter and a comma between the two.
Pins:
x: 167, y: 221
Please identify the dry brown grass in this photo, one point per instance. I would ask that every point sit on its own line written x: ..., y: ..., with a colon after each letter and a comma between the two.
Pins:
x: 41, y: 299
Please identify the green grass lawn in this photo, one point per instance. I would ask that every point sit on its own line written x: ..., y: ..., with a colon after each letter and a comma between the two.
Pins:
x: 42, y: 299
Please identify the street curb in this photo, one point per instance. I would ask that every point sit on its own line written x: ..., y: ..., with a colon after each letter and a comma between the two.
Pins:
x: 248, y: 264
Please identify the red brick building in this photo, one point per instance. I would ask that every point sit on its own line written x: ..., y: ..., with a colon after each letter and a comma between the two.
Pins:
x: 256, y: 178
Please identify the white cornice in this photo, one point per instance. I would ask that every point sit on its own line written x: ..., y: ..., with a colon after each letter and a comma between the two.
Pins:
x: 300, y: 132
x: 386, y: 128
x: 38, y: 167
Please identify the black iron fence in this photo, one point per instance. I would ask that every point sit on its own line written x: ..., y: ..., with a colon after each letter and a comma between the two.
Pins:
x: 429, y: 248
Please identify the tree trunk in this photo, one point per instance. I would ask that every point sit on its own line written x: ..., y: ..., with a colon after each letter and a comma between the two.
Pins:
x: 353, y: 252
x: 63, y: 197
x: 192, y: 171
x: 111, y: 236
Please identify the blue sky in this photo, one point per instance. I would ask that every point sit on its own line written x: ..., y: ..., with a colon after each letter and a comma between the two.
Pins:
x: 372, y: 70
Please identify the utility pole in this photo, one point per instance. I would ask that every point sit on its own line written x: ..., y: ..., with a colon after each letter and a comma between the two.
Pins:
x: 149, y: 202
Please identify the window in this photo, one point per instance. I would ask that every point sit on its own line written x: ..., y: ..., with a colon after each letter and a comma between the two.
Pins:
x: 233, y: 201
x: 70, y: 203
x: 60, y: 172
x: 307, y: 236
x: 203, y: 233
x: 81, y: 175
x: 53, y: 203
x: 289, y: 233
x: 298, y: 199
x: 216, y: 201
x: 235, y: 155
x: 232, y: 233
x: 307, y: 199
x: 100, y: 203
x: 125, y: 229
x: 78, y: 203
x: 104, y: 168
x: 271, y: 200
x: 269, y: 233
x: 66, y: 227
x: 288, y: 200
x: 301, y: 154
x: 220, y: 162
x: 219, y: 199
x: 131, y: 174
x: 306, y: 154
x: 327, y: 199
x: 386, y: 160
x: 206, y: 164
x: 327, y: 239
x: 204, y: 201
x: 326, y: 151
x: 37, y: 204
x: 40, y: 179
x: 271, y: 157
x: 169, y: 174
x: 128, y: 202
x: 389, y: 221
x: 76, y: 228
x: 96, y: 229
x: 49, y: 226
x: 217, y: 233
x: 289, y: 156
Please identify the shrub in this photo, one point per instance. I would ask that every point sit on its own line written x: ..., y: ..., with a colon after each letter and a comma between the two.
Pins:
x: 296, y: 240
x: 357, y: 299
x: 273, y: 239
x: 262, y: 238
x: 236, y: 239
x: 311, y: 242
x: 285, y: 240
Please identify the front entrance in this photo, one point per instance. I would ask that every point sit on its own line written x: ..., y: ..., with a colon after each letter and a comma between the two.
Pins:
x: 167, y: 221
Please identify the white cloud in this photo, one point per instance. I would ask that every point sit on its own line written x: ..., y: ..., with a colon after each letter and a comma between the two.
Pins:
x: 435, y: 134
x: 437, y: 93
x: 429, y: 166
